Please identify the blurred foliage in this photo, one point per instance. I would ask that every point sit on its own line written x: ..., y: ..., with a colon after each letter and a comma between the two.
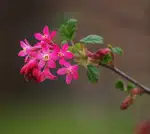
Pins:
x: 62, y: 119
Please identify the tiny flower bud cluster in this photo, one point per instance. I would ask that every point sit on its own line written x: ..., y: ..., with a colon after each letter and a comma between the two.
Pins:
x: 99, y: 54
x: 128, y: 101
x: 41, y: 58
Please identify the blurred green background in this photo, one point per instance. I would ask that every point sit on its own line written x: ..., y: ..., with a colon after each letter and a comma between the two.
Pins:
x: 65, y: 119
x: 53, y: 107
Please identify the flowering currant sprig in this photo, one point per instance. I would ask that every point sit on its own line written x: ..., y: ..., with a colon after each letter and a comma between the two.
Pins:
x: 42, y: 57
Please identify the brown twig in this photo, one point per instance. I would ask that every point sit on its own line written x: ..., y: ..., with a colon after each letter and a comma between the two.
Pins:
x: 128, y: 78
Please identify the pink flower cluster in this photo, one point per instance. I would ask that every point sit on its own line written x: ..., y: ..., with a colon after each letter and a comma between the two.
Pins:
x: 42, y: 57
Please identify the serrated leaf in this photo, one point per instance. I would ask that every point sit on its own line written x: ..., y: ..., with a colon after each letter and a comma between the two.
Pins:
x: 68, y: 29
x: 106, y: 59
x: 92, y: 39
x: 93, y: 73
x: 117, y: 50
x: 120, y: 85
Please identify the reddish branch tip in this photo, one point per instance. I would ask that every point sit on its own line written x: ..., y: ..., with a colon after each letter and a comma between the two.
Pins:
x: 128, y: 101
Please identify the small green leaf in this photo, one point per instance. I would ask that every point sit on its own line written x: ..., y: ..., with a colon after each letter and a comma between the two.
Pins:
x: 120, y: 85
x: 130, y: 86
x: 93, y: 73
x: 68, y: 29
x: 63, y: 42
x: 92, y: 39
x: 75, y: 48
x: 117, y: 50
x: 106, y: 59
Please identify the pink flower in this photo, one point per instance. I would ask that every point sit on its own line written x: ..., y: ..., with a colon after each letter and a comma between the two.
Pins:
x: 46, y: 58
x: 46, y: 36
x: 28, y: 67
x: 31, y: 72
x: 26, y: 48
x: 70, y: 71
x: 63, y: 54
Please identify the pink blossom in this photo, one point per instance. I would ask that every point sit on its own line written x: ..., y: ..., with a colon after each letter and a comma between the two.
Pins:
x: 27, y: 67
x: 70, y: 71
x: 30, y: 71
x: 26, y: 48
x: 46, y: 58
x: 46, y: 35
x: 63, y: 54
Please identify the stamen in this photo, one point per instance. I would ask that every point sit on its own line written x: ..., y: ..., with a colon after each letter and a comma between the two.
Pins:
x: 46, y: 57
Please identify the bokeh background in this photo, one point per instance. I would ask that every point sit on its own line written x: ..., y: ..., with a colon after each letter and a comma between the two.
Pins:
x: 52, y: 107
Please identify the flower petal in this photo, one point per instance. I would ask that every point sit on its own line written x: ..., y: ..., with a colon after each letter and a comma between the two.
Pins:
x: 41, y: 64
x: 39, y: 56
x: 22, y: 53
x: 75, y: 67
x: 68, y: 78
x: 65, y: 47
x: 54, y: 56
x: 38, y: 36
x: 53, y: 34
x: 67, y: 64
x: 68, y: 55
x: 51, y: 64
x: 26, y: 59
x: 48, y: 74
x: 45, y: 47
x: 61, y: 71
x: 46, y: 30
x: 62, y: 61
x: 75, y: 75
x: 27, y: 43
x: 22, y: 44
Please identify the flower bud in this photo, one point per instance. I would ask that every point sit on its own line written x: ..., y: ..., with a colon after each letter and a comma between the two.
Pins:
x: 137, y: 91
x: 103, y: 51
x: 126, y: 103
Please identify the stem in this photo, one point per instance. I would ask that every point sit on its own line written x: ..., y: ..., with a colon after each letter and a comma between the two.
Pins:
x: 128, y: 78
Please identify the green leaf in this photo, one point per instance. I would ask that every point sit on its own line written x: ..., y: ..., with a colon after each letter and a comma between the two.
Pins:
x: 63, y: 42
x: 120, y: 85
x: 106, y: 59
x: 92, y: 39
x: 93, y: 73
x: 68, y: 29
x: 75, y: 48
x: 117, y: 50
x: 130, y: 86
